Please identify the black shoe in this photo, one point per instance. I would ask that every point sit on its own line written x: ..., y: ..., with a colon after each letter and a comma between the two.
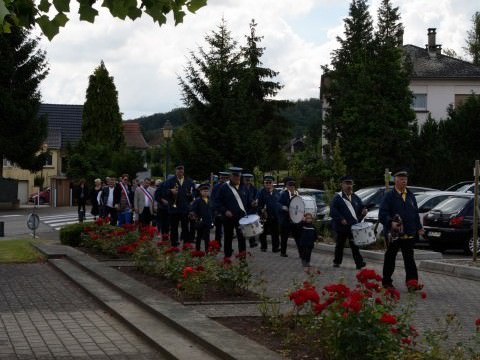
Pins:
x: 275, y: 250
x: 361, y: 265
x: 388, y: 286
x: 336, y: 265
x: 253, y: 244
x: 283, y: 255
x: 263, y: 250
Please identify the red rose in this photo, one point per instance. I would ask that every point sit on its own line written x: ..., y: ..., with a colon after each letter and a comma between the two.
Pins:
x: 388, y: 319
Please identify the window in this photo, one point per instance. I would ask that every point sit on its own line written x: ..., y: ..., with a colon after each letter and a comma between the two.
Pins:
x: 48, y: 160
x: 460, y: 98
x: 419, y: 102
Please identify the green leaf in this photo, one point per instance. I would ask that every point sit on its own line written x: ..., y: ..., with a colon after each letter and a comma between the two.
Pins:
x: 44, y: 6
x: 87, y: 13
x: 60, y: 19
x: 156, y: 13
x: 49, y: 28
x: 134, y: 13
x: 62, y: 5
x: 178, y: 15
x: 194, y: 5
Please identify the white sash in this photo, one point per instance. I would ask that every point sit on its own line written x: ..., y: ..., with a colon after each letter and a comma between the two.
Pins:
x: 126, y: 194
x: 147, y: 194
x: 237, y: 197
x: 349, y: 206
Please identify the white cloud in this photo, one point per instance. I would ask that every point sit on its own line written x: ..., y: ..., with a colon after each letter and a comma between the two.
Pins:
x: 145, y: 59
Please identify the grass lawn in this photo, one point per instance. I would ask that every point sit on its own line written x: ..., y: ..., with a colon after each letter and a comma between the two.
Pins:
x: 18, y: 251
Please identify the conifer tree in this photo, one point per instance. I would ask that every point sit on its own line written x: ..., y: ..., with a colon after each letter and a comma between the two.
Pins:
x: 22, y: 68
x: 102, y: 121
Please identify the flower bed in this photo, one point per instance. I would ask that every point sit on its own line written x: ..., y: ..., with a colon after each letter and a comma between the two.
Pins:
x: 193, y: 273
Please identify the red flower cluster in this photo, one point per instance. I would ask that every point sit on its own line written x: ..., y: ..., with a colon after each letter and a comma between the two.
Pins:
x: 129, y: 227
x: 127, y: 249
x: 213, y: 246
x: 101, y: 221
x: 171, y: 250
x: 338, y: 290
x: 477, y: 324
x: 198, y: 253
x: 163, y: 243
x: 364, y: 275
x: 189, y: 271
x: 227, y: 260
x: 413, y: 285
x: 243, y: 255
x: 93, y: 235
x: 388, y: 319
x: 353, y: 302
x: 307, y: 293
x: 187, y: 246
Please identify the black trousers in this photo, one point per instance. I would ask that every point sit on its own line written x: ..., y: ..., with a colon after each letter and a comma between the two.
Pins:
x: 406, y: 246
x: 203, y: 234
x: 229, y: 224
x: 163, y: 225
x: 112, y: 212
x: 218, y: 229
x: 270, y: 228
x: 287, y: 229
x: 145, y: 217
x: 306, y: 254
x: 340, y: 240
x: 175, y: 219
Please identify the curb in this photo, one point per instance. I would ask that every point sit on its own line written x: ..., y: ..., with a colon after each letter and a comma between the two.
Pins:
x: 223, y: 342
x: 463, y: 271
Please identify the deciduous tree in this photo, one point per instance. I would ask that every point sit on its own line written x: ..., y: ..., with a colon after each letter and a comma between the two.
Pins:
x: 473, y: 39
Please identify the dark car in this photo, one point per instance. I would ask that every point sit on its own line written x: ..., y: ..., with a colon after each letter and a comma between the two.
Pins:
x: 42, y: 197
x: 372, y: 196
x: 449, y: 224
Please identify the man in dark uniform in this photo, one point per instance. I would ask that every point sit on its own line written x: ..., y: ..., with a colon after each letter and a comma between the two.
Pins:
x: 163, y: 225
x: 250, y: 192
x: 232, y: 206
x: 346, y: 209
x: 179, y: 193
x: 401, y: 225
x: 268, y: 204
x: 222, y: 178
x: 287, y: 226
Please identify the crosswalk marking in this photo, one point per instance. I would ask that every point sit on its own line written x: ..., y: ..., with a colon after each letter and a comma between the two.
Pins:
x: 60, y: 220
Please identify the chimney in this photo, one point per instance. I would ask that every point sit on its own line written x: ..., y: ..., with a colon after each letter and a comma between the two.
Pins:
x: 432, y: 47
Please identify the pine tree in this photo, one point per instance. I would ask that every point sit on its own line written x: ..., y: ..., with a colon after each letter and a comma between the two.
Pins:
x: 473, y: 39
x: 102, y: 121
x: 22, y: 68
x: 230, y: 116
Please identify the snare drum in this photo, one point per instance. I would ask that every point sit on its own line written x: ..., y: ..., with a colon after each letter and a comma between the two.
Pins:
x: 300, y: 205
x: 363, y: 234
x: 250, y: 225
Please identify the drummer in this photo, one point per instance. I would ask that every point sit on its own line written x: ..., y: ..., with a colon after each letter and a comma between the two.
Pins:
x: 346, y: 210
x: 268, y: 210
x: 231, y: 204
x: 250, y: 192
x: 287, y: 226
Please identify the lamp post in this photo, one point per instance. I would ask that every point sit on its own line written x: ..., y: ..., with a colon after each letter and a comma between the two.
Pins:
x: 167, y: 135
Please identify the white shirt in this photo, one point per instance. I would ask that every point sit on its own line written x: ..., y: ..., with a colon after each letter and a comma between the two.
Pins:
x: 110, y: 197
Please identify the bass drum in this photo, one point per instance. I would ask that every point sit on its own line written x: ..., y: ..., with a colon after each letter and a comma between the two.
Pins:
x: 300, y: 205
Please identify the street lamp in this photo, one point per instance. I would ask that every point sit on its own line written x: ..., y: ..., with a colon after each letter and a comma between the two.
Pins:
x: 167, y: 135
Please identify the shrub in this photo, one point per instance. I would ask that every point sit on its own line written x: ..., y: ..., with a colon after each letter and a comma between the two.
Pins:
x: 72, y: 234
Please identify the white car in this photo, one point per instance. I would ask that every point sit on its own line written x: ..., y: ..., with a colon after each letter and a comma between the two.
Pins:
x: 426, y: 201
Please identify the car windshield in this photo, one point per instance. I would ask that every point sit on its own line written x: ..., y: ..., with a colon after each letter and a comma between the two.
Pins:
x: 420, y: 197
x: 366, y: 193
x: 464, y: 188
x: 452, y: 205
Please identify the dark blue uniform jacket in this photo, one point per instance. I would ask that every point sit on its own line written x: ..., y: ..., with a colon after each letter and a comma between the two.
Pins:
x: 227, y: 201
x: 393, y: 204
x: 203, y: 211
x: 184, y: 196
x: 340, y: 211
x: 308, y: 235
x: 270, y: 200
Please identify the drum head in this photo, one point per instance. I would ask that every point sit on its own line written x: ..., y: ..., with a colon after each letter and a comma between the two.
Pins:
x: 249, y: 219
x: 296, y: 209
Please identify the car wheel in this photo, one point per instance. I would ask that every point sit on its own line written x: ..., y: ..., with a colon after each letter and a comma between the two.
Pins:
x: 468, y: 248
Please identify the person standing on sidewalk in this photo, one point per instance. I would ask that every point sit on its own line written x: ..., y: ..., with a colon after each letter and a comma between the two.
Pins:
x: 287, y: 226
x: 346, y: 210
x: 268, y: 198
x: 401, y: 225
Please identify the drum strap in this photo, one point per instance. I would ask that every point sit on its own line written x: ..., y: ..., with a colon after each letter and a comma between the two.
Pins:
x: 237, y: 197
x: 349, y: 206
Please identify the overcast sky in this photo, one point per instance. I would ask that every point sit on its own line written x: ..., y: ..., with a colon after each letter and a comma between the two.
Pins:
x: 299, y: 35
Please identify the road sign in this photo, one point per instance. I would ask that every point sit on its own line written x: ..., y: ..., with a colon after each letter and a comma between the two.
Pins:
x: 33, y: 221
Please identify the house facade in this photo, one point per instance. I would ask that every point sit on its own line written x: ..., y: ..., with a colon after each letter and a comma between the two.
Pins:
x: 64, y: 126
x: 437, y: 80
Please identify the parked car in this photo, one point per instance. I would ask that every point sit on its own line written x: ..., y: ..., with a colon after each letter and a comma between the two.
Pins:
x: 467, y: 188
x: 372, y: 196
x: 449, y: 224
x: 40, y: 198
x: 323, y: 209
x: 425, y: 201
x: 458, y: 185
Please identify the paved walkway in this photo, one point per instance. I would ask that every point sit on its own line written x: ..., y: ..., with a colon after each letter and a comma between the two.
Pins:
x: 45, y: 316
